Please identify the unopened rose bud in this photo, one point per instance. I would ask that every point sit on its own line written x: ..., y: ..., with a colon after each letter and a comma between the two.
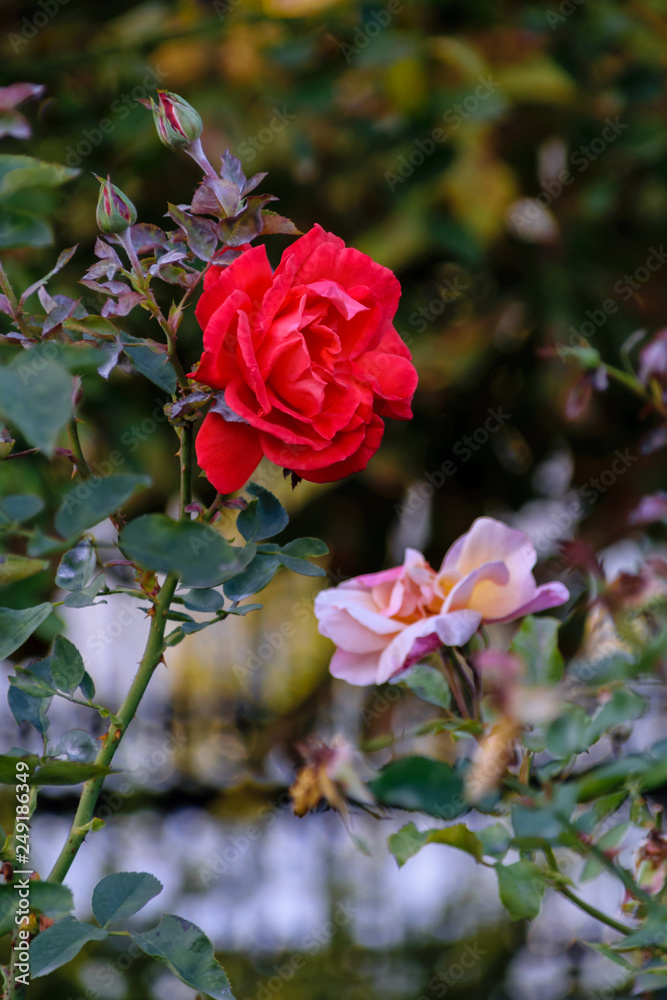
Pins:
x: 6, y: 442
x: 176, y: 121
x: 115, y: 212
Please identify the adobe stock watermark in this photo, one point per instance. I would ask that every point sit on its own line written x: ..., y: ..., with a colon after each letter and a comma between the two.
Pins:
x: 464, y: 449
x: 119, y: 109
x: 224, y: 7
x: 588, y: 495
x: 581, y: 159
x: 302, y: 612
x: 311, y: 944
x: 31, y: 26
x: 469, y: 956
x: 565, y: 9
x: 254, y: 144
x: 453, y: 118
x: 450, y: 291
x: 377, y: 21
x: 624, y: 288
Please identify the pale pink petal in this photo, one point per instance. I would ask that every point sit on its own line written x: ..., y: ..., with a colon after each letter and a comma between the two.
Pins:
x: 339, y: 626
x: 460, y: 594
x: 457, y: 627
x: 412, y: 559
x: 410, y: 645
x: 549, y: 595
x: 357, y: 603
x: 489, y: 540
x: 423, y: 637
x: 355, y: 668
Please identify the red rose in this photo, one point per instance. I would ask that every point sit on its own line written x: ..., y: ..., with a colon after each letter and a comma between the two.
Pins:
x: 308, y: 359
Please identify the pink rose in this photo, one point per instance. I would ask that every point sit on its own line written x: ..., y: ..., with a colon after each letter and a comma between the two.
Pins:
x: 384, y: 622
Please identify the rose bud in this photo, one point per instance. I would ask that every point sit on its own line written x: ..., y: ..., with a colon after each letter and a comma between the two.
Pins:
x: 6, y: 442
x: 115, y: 212
x: 176, y: 121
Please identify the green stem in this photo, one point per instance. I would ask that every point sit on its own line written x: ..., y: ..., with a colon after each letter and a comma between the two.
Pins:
x: 592, y: 911
x: 630, y: 382
x: 453, y: 681
x: 186, y: 455
x: 91, y: 789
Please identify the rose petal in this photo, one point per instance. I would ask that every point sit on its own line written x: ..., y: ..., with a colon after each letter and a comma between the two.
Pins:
x: 228, y: 453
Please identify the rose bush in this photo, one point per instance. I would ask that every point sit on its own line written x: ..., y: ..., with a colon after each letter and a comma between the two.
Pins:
x: 307, y: 358
x: 384, y: 622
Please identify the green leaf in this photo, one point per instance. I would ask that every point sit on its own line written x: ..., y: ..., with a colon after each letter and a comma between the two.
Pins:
x: 66, y: 772
x: 20, y: 229
x: 200, y: 232
x: 17, y: 626
x: 14, y: 568
x: 611, y: 839
x: 120, y: 895
x: 49, y: 898
x: 623, y: 707
x: 87, y: 687
x: 409, y: 840
x: 77, y: 566
x: 194, y: 550
x: 421, y: 784
x: 8, y: 770
x: 203, y: 600
x: 151, y: 362
x: 77, y: 745
x: 495, y: 840
x: 19, y: 507
x: 18, y: 172
x: 536, y: 643
x: 85, y: 598
x: 67, y: 667
x: 24, y: 707
x: 36, y: 397
x: 264, y: 516
x: 427, y: 683
x: 93, y: 500
x: 59, y: 944
x: 296, y: 555
x: 521, y: 886
x: 607, y: 778
x: 245, y: 226
x: 254, y: 578
x: 31, y: 684
x: 188, y: 953
x: 604, y: 949
x: 652, y: 933
x: 568, y: 734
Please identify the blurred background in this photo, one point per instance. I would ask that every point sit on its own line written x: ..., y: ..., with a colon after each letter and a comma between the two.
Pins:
x: 507, y: 161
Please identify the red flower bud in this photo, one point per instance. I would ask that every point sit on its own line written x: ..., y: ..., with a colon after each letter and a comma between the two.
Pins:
x: 176, y: 121
x: 115, y: 212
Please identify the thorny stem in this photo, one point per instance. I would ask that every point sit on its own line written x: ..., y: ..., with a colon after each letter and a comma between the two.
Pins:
x: 186, y: 456
x: 155, y: 644
x: 117, y: 728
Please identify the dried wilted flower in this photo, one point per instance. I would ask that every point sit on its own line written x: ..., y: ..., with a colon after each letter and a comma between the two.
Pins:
x: 495, y: 753
x: 330, y: 773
